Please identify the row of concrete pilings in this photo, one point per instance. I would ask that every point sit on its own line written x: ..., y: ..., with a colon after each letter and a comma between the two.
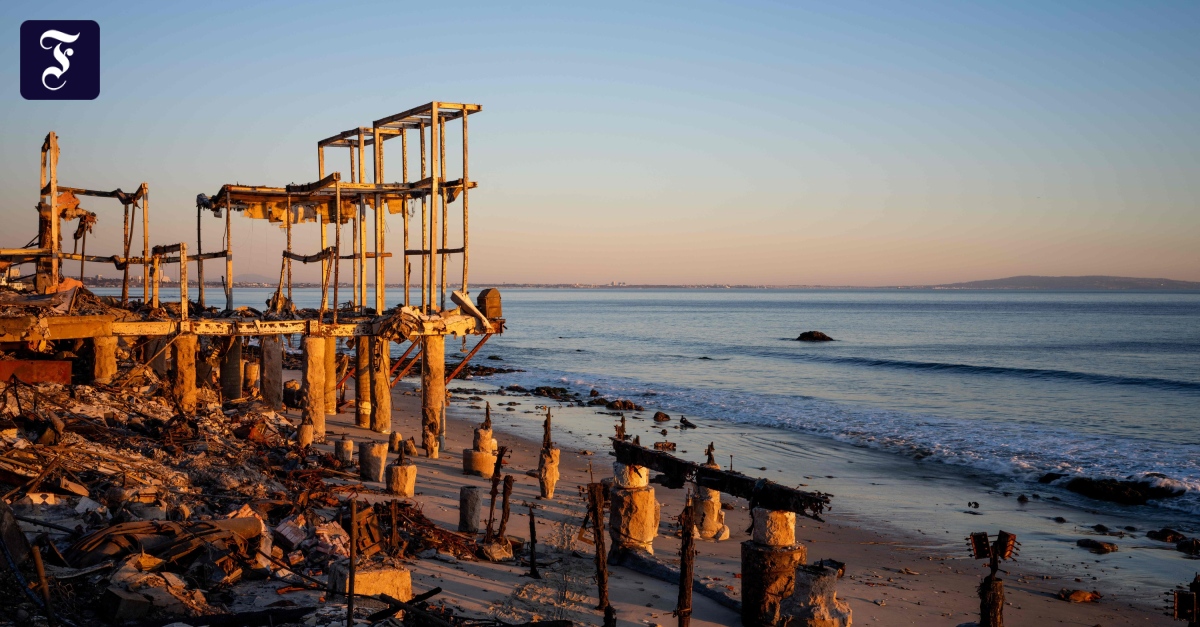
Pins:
x: 320, y: 381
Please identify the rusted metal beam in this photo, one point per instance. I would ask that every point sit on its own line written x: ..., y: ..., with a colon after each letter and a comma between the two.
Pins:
x: 463, y: 364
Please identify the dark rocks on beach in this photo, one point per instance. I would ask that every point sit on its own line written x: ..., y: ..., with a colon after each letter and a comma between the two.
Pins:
x: 1050, y: 477
x: 517, y: 388
x: 556, y: 393
x: 1123, y: 492
x: 495, y: 358
x: 813, y: 336
x: 1079, y: 596
x: 1190, y: 546
x: 1100, y: 528
x: 593, y: 393
x: 624, y: 405
x: 1059, y: 519
x: 598, y: 401
x: 1097, y: 546
x: 661, y: 417
x: 1166, y: 534
x: 1022, y: 499
x: 685, y: 423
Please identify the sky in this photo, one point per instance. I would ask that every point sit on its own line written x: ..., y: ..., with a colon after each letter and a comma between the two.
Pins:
x: 783, y: 143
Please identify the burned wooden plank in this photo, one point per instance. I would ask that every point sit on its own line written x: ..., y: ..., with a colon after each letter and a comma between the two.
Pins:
x: 760, y: 492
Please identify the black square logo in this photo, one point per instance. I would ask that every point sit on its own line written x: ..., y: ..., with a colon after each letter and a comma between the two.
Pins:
x: 60, y: 60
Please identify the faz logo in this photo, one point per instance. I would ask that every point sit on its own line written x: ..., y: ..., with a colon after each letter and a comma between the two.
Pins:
x: 60, y: 60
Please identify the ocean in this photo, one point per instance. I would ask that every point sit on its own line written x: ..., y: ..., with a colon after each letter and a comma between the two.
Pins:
x: 928, y: 399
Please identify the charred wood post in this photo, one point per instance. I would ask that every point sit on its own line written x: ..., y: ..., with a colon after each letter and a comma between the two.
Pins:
x: 548, y: 459
x: 314, y: 385
x: 596, y: 519
x: 687, y: 563
x: 433, y: 392
x: 533, y: 571
x: 362, y: 381
x: 489, y: 535
x: 381, y: 392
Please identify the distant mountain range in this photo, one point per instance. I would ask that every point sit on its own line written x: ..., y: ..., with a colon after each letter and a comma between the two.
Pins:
x: 1072, y: 283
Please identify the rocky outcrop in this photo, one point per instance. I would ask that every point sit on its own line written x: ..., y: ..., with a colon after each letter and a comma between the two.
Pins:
x: 813, y: 336
x: 1096, y: 546
x: 1123, y: 492
x: 624, y: 405
x: 1166, y: 534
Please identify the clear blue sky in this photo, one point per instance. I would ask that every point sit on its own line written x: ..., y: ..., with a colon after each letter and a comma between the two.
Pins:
x: 787, y: 143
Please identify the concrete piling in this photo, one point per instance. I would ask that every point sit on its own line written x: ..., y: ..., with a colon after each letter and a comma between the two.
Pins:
x: 814, y: 602
x: 548, y: 472
x: 470, y: 505
x: 231, y: 371
x: 480, y: 459
x: 433, y: 392
x: 251, y: 377
x: 314, y: 385
x: 710, y: 518
x: 634, y: 516
x: 184, y: 380
x: 272, y: 372
x: 104, y: 366
x: 402, y: 479
x: 372, y: 456
x: 344, y: 450
x: 381, y: 386
x: 395, y: 442
x: 331, y: 378
x: 362, y: 381
x: 769, y: 562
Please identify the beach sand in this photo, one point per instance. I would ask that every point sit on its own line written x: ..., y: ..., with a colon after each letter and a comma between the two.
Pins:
x: 890, y: 580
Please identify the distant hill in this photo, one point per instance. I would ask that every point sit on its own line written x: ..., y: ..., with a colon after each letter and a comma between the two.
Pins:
x: 254, y: 278
x: 1072, y: 283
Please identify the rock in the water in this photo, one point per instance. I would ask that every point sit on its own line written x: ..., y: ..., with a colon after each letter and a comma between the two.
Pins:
x: 1051, y: 477
x: 624, y: 405
x: 685, y: 423
x: 813, y: 336
x: 1123, y: 492
x: 1078, y: 596
x: 661, y: 417
x: 1096, y: 546
x: 1166, y: 534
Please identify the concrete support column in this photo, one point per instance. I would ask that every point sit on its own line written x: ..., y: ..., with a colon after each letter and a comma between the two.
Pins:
x: 480, y: 459
x: 634, y: 517
x: 362, y: 381
x: 433, y: 391
x: 470, y: 504
x: 314, y: 385
x: 769, y: 561
x: 105, y: 362
x: 331, y: 376
x: 253, y: 375
x: 157, y: 356
x: 814, y: 601
x: 402, y: 479
x: 184, y: 380
x: 372, y: 457
x: 548, y: 472
x: 272, y: 372
x: 381, y: 386
x: 710, y: 524
x: 231, y: 371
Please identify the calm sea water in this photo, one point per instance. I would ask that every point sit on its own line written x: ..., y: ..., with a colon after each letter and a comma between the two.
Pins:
x: 1020, y: 383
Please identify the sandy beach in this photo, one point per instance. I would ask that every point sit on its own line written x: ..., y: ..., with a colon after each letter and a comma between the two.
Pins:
x: 890, y: 579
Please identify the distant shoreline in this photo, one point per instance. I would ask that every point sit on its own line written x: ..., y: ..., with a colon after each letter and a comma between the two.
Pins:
x: 1019, y: 283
